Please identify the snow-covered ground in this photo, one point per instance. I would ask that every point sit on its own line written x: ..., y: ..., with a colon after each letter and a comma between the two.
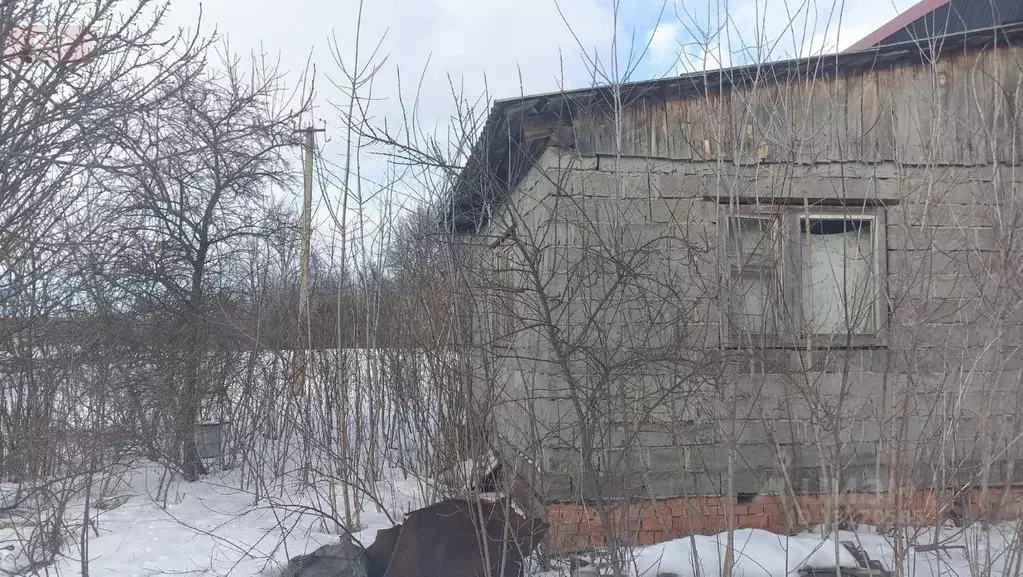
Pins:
x: 211, y: 527
x: 757, y: 552
x: 206, y: 528
x: 965, y: 552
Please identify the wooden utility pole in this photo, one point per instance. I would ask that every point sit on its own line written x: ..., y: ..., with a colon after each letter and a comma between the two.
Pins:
x: 303, y: 281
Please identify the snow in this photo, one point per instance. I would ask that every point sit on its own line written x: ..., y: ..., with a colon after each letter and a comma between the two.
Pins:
x: 974, y: 550
x: 209, y: 527
x: 149, y: 523
x: 214, y: 528
x: 758, y: 553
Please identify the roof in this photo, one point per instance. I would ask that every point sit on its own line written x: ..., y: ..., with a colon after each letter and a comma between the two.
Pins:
x: 935, y: 19
x: 518, y: 129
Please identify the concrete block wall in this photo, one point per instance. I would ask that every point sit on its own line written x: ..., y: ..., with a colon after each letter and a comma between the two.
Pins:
x: 658, y: 202
x: 950, y: 370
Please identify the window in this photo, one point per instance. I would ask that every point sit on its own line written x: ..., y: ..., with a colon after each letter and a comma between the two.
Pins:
x: 794, y: 274
x: 754, y: 260
x: 502, y: 287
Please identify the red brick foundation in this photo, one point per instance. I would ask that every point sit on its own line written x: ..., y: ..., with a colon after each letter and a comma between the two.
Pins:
x: 578, y: 527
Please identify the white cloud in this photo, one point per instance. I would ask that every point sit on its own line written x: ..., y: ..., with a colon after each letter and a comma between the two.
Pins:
x: 759, y: 30
x: 857, y: 21
x: 793, y: 29
x: 511, y: 47
x: 664, y: 45
x: 467, y: 39
x: 503, y: 47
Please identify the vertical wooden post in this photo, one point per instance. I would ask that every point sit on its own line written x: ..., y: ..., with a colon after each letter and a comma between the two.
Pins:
x: 306, y: 226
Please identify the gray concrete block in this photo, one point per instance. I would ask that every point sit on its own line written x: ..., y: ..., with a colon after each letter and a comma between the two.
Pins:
x: 702, y: 483
x: 756, y: 457
x: 660, y: 484
x: 750, y: 480
x: 807, y: 480
x: 559, y: 488
x: 671, y: 459
x: 708, y: 458
x: 654, y: 438
x: 560, y: 460
x: 638, y: 165
x: 554, y: 159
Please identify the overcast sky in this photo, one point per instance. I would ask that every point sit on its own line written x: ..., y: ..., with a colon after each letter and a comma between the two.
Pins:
x: 501, y: 38
x: 512, y: 47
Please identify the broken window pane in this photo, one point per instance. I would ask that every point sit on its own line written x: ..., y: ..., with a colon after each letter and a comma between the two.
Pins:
x: 750, y: 303
x: 750, y: 241
x: 751, y: 252
x: 838, y: 286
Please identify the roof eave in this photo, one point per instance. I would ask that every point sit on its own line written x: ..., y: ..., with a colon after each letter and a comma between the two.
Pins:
x: 727, y: 78
x: 907, y: 17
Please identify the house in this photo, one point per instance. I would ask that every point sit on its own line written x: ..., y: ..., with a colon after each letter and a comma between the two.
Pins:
x: 766, y: 296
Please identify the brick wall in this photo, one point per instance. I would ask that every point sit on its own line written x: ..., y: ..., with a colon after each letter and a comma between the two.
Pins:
x: 576, y: 527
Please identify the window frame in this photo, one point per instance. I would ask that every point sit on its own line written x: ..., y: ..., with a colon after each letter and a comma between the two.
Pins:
x: 502, y: 323
x: 761, y: 212
x: 789, y: 275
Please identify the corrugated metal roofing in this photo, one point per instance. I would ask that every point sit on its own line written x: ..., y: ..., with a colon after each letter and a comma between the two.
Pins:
x: 933, y: 19
x: 905, y: 18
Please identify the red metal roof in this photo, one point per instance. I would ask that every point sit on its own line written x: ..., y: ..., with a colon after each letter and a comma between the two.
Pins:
x: 904, y: 19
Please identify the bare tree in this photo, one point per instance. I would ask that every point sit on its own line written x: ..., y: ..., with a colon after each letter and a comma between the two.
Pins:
x: 71, y: 74
x: 203, y: 169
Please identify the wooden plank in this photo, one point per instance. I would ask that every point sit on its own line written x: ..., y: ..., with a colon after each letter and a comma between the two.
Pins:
x: 657, y: 128
x: 884, y: 130
x: 742, y: 128
x: 938, y: 547
x: 942, y: 116
x: 1014, y: 63
x: 989, y: 98
x: 539, y: 125
x: 803, y: 121
x: 976, y: 123
x: 772, y: 117
x: 870, y: 112
x: 850, y: 144
x: 928, y: 112
x: 723, y: 121
x: 603, y: 130
x: 828, y: 107
x: 912, y: 132
x: 754, y: 100
x: 658, y: 118
x: 1013, y: 85
x: 1004, y: 77
x: 893, y: 91
x: 640, y: 119
x: 814, y: 146
x: 634, y: 129
x: 624, y: 119
x: 699, y: 113
x: 990, y: 83
x: 584, y: 131
x: 960, y: 112
x: 680, y: 145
